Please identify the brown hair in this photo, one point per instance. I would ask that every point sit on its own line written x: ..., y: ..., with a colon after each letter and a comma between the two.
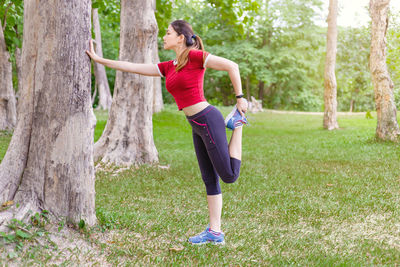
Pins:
x: 191, y: 41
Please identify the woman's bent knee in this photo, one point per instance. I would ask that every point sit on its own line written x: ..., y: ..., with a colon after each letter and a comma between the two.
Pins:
x: 230, y: 179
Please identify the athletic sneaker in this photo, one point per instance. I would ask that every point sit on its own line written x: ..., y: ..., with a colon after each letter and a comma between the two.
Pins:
x: 235, y: 119
x: 208, y: 236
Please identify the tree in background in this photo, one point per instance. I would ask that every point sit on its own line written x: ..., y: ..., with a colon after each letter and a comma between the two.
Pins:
x: 49, y: 162
x: 109, y: 12
x: 128, y: 136
x: 10, y: 54
x: 110, y: 23
x: 102, y: 86
x: 330, y: 118
x: 8, y: 112
x: 387, y: 127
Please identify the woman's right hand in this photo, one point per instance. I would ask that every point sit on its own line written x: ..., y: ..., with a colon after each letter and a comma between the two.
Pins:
x: 92, y: 53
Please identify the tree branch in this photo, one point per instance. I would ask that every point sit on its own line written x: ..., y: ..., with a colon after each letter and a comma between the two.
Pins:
x: 5, y: 16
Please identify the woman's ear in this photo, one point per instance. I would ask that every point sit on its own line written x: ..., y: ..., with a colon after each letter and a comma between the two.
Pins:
x: 181, y: 38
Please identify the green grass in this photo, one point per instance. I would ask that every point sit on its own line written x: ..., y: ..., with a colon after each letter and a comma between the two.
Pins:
x: 306, y: 196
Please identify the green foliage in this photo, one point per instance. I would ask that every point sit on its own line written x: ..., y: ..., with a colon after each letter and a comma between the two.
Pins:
x: 11, y: 17
x: 163, y: 15
x: 368, y: 115
x: 81, y: 224
x: 21, y: 232
x: 352, y: 71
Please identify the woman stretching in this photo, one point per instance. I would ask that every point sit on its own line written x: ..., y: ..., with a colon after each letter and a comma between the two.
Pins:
x: 184, y: 80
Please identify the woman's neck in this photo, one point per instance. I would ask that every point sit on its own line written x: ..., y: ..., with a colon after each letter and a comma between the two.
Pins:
x: 178, y: 51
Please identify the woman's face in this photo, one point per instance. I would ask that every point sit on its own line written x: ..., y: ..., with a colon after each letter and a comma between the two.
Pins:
x: 171, y: 39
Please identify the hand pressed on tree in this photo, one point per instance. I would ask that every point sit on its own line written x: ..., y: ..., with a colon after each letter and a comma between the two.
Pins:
x: 92, y: 53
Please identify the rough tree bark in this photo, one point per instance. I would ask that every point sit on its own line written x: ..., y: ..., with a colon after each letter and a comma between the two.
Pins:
x: 18, y: 62
x: 330, y: 117
x: 49, y: 162
x: 8, y: 113
x: 387, y: 127
x: 158, y: 104
x: 103, y: 88
x: 128, y: 136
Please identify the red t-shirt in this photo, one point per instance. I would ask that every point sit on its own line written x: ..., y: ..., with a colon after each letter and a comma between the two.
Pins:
x: 186, y: 85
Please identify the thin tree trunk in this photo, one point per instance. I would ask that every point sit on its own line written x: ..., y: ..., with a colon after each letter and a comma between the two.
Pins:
x: 351, y: 105
x: 330, y: 120
x: 261, y: 86
x: 128, y: 136
x: 18, y: 62
x: 387, y: 127
x: 105, y: 98
x: 248, y: 87
x: 158, y: 104
x: 8, y: 113
x: 49, y: 162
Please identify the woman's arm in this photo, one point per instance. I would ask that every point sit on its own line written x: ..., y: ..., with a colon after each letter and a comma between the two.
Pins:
x: 220, y: 63
x: 143, y: 69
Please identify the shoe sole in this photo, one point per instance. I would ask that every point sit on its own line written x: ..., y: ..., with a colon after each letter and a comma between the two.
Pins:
x: 230, y: 115
x: 209, y: 242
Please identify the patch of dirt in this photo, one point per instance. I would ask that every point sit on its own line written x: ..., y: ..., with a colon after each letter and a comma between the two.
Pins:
x: 67, y: 246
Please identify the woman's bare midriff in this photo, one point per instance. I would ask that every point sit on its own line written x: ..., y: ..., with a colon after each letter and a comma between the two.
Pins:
x: 196, y: 108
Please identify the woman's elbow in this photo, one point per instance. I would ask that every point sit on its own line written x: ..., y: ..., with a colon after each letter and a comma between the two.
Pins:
x: 233, y: 67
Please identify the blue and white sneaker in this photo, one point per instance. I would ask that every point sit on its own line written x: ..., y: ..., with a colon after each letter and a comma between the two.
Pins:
x: 235, y: 119
x: 208, y: 236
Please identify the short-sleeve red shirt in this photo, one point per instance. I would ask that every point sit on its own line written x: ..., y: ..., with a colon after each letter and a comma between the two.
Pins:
x: 186, y: 85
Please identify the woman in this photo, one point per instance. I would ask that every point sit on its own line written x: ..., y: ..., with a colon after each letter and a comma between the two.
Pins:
x: 184, y: 80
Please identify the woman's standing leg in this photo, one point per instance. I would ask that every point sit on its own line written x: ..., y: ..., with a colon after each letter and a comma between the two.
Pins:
x: 215, y: 201
x: 214, y: 210
x: 211, y: 181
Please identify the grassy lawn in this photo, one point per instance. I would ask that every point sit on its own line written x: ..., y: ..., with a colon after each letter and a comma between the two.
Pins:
x: 305, y: 196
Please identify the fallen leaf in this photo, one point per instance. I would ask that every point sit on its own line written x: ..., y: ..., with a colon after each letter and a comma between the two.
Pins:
x: 8, y: 203
x: 166, y: 167
x: 176, y: 249
x: 329, y: 184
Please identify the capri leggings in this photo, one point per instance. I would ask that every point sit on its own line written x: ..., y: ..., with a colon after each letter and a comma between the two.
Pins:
x: 211, y: 146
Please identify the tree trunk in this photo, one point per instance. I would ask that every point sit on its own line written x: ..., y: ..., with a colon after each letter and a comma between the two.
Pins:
x: 49, y: 162
x: 8, y: 113
x: 158, y: 104
x: 330, y: 120
x: 352, y: 101
x: 18, y: 62
x: 261, y: 86
x: 128, y: 136
x: 387, y: 127
x: 248, y: 87
x: 103, y: 88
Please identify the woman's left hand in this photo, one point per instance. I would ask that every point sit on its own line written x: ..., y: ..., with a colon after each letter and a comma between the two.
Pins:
x: 242, y: 105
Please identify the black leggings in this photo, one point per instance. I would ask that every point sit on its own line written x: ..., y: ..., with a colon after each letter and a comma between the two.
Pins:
x: 211, y: 146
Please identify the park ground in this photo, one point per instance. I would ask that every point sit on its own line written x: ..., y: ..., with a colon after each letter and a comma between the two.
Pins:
x: 306, y: 196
